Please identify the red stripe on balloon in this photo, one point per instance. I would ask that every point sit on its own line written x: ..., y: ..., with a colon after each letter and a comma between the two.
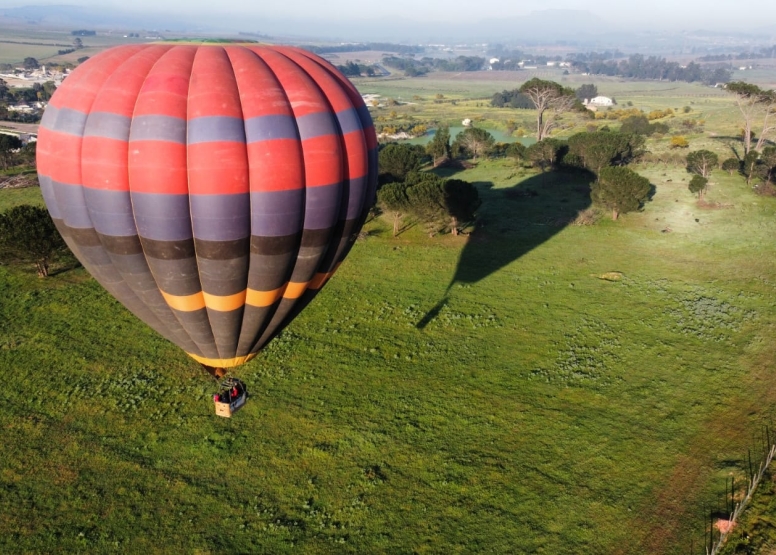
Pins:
x: 260, y: 92
x: 158, y: 167
x: 104, y: 164
x: 166, y: 88
x: 276, y: 165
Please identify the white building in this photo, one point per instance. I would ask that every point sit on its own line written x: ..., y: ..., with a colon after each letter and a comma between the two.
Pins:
x: 600, y: 101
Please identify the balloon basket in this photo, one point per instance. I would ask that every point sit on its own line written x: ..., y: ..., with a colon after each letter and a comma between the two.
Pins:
x: 231, y: 397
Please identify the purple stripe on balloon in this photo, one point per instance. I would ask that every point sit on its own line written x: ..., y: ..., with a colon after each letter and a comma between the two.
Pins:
x: 349, y: 121
x: 277, y: 213
x: 316, y: 125
x: 162, y: 217
x: 47, y: 190
x: 111, y: 212
x: 72, y: 205
x: 365, y: 116
x: 67, y: 120
x: 322, y: 206
x: 107, y: 126
x: 211, y: 129
x: 49, y: 118
x: 268, y: 128
x: 356, y: 193
x: 158, y: 128
x: 221, y: 217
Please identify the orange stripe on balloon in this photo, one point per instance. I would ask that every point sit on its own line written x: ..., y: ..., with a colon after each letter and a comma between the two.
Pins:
x: 188, y: 303
x: 225, y: 303
x: 263, y: 298
x: 295, y: 289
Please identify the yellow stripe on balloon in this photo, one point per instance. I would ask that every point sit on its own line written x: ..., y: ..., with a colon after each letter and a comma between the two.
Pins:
x: 223, y: 362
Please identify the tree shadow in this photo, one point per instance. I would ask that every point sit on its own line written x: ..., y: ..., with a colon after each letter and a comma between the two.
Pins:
x: 515, y: 220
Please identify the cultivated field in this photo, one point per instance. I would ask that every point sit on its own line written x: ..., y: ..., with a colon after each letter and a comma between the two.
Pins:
x: 533, y: 387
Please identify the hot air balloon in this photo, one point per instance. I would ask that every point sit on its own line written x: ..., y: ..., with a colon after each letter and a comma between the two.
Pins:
x: 212, y: 189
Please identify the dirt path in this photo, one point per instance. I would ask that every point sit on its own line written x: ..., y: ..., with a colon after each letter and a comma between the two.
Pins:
x: 669, y: 509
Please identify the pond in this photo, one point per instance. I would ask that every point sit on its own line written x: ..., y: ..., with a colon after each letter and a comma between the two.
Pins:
x: 499, y: 135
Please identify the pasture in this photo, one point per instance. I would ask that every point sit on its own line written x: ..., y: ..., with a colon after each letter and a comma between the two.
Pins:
x: 496, y: 392
x: 534, y: 387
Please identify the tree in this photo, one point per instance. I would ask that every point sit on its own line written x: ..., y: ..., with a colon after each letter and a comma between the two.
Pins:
x: 701, y: 162
x: 620, y: 190
x: 755, y: 104
x: 550, y: 100
x: 8, y: 144
x: 474, y: 141
x: 425, y: 193
x: 586, y: 92
x: 749, y: 164
x: 28, y: 234
x: 603, y: 148
x: 461, y: 201
x: 30, y: 63
x: 439, y: 146
x: 392, y: 197
x: 78, y: 43
x: 516, y: 151
x: 768, y: 160
x: 731, y: 165
x: 698, y: 185
x: 395, y: 161
x: 544, y: 154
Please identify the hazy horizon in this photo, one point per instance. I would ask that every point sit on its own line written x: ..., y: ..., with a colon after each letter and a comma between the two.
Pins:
x: 659, y: 14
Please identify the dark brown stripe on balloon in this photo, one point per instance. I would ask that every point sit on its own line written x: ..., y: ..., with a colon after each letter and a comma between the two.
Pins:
x: 269, y: 272
x: 122, y: 245
x: 275, y: 245
x: 84, y: 237
x: 223, y: 277
x: 168, y: 250
x: 222, y: 250
x: 226, y: 331
x: 312, y: 238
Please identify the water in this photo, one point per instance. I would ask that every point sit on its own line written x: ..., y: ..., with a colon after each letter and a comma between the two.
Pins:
x: 500, y: 137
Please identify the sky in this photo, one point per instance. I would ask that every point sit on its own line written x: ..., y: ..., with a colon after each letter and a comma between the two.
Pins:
x: 669, y: 13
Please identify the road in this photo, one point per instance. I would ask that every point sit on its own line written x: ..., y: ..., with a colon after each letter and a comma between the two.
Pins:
x: 19, y: 127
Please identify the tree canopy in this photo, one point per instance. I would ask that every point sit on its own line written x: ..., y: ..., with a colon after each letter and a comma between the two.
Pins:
x: 599, y: 149
x: 473, y: 142
x: 756, y: 107
x: 701, y: 162
x: 620, y: 190
x: 396, y: 160
x: 698, y: 185
x: 550, y: 100
x: 439, y: 146
x: 28, y: 234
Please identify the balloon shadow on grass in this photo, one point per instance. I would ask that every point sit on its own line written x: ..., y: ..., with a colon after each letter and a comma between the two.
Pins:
x: 513, y: 221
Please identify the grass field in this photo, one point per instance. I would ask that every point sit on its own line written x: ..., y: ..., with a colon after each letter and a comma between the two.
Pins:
x: 533, y: 387
x: 530, y: 407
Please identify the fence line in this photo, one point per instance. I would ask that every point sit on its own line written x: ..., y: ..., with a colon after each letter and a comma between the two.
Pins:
x: 714, y: 548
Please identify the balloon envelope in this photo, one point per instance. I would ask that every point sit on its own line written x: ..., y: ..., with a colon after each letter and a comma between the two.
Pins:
x: 211, y: 189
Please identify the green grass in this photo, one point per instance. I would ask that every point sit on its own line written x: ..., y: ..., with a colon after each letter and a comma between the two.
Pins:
x: 14, y: 197
x: 540, y: 409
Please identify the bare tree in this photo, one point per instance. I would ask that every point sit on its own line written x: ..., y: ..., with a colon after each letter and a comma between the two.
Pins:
x: 550, y: 100
x: 755, y: 104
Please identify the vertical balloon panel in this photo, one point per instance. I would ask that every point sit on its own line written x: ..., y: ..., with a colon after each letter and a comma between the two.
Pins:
x: 213, y: 190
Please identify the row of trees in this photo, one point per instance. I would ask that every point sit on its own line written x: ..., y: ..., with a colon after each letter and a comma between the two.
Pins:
x: 412, y: 67
x: 405, y: 190
x: 637, y: 66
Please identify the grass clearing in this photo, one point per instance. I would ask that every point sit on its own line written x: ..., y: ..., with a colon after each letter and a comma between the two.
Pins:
x: 540, y: 409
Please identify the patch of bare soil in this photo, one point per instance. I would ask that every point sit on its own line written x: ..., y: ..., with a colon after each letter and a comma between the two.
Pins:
x: 18, y: 181
x: 706, y: 205
x: 669, y: 508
